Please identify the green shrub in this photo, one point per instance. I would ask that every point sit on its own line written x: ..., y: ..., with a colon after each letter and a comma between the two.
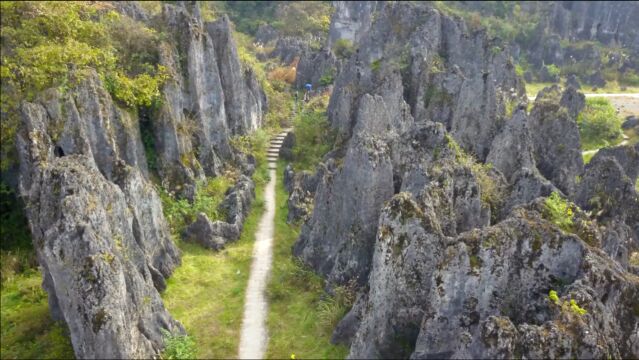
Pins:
x: 576, y: 308
x: 208, y: 196
x: 599, y: 124
x: 559, y: 211
x: 313, y: 139
x: 553, y: 70
x: 376, y: 65
x: 343, y: 48
x: 54, y: 44
x: 177, y: 346
x: 327, y: 78
x: 552, y: 296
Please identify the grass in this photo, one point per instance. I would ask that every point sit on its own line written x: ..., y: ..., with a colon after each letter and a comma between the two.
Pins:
x: 28, y: 331
x: 301, y: 314
x: 206, y: 293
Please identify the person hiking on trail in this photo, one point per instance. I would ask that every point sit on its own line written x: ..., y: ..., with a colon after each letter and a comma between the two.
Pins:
x: 307, y: 94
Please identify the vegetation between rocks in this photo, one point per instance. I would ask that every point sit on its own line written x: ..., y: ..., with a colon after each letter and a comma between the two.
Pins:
x: 313, y: 134
x: 301, y: 314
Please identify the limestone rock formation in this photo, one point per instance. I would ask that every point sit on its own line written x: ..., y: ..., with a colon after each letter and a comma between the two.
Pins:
x: 99, y: 232
x: 432, y: 202
x: 208, y: 98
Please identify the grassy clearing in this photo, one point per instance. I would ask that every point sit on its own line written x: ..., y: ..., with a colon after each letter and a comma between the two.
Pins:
x: 28, y: 331
x: 301, y: 313
x: 206, y: 293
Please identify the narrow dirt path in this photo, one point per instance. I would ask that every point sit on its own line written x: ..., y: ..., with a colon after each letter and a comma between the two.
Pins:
x: 254, y: 337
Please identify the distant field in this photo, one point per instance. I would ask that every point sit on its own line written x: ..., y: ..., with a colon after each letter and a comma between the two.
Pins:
x: 611, y: 88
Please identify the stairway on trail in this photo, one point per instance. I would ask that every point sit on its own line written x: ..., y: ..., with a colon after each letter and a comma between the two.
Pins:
x: 253, y: 336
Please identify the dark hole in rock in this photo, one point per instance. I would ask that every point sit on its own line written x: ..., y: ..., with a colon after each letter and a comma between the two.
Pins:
x: 58, y: 152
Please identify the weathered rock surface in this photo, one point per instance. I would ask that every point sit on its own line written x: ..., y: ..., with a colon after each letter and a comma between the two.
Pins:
x: 210, y: 234
x: 208, y: 98
x: 452, y: 258
x: 557, y: 144
x: 485, y: 293
x: 313, y: 66
x: 97, y: 222
x: 286, y: 151
x: 351, y: 20
x: 373, y: 110
x: 631, y: 121
x: 100, y: 237
x: 608, y: 189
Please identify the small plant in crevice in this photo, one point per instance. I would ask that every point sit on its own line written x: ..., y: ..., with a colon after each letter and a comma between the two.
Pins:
x: 559, y: 211
x: 570, y: 306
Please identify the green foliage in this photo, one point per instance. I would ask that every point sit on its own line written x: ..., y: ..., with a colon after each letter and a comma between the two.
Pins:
x: 177, y: 346
x: 553, y: 70
x: 208, y: 196
x: 16, y: 251
x: 490, y: 194
x: 566, y: 306
x: 629, y: 78
x: 290, y: 18
x: 255, y: 144
x: 54, y: 44
x: 297, y: 298
x: 313, y: 138
x: 27, y: 329
x: 509, y: 107
x: 141, y: 90
x: 343, y: 48
x: 327, y: 78
x: 576, y: 308
x: 376, y: 65
x: 559, y: 211
x: 599, y: 124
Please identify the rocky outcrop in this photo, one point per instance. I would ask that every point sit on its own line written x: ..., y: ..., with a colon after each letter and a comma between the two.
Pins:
x: 98, y: 228
x: 235, y: 208
x: 429, y: 203
x: 608, y: 185
x: 210, y: 234
x: 351, y: 20
x: 208, y: 98
x: 557, y: 144
x: 376, y: 106
x: 485, y: 293
x: 97, y: 222
x: 317, y: 68
x: 244, y: 99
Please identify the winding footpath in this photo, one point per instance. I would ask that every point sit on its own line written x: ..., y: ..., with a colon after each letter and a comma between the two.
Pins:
x: 254, y: 337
